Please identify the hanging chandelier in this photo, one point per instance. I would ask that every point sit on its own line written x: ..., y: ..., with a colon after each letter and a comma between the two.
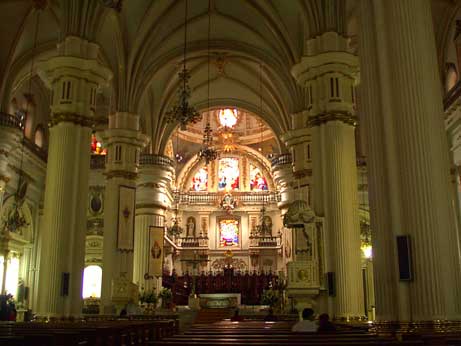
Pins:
x: 262, y: 229
x: 208, y: 152
x: 182, y: 112
x: 15, y: 220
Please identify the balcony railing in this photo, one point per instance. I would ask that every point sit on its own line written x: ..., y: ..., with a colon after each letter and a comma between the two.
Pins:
x: 209, y: 198
x: 282, y: 159
x: 192, y: 242
x: 159, y: 160
x: 9, y: 120
x: 265, y: 241
x: 98, y: 161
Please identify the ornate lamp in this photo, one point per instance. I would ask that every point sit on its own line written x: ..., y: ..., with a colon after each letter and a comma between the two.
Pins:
x: 208, y: 152
x: 182, y: 112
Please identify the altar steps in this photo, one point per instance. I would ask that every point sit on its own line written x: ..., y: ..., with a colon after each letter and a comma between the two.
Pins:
x: 208, y: 316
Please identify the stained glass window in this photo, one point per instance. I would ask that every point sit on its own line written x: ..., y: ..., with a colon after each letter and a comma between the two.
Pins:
x: 228, y: 174
x: 257, y: 180
x: 200, y: 180
x: 228, y: 117
x: 96, y: 146
x: 228, y: 232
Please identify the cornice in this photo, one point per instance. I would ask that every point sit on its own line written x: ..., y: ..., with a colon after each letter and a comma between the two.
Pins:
x: 324, y: 118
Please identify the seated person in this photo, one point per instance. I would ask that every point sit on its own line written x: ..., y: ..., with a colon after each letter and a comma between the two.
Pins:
x: 325, y: 325
x: 270, y: 316
x: 307, y: 324
x: 236, y: 317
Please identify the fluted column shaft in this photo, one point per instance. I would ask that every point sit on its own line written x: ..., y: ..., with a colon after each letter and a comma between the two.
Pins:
x: 341, y: 213
x: 124, y: 141
x: 404, y: 107
x: 153, y: 198
x: 328, y: 71
x: 74, y: 75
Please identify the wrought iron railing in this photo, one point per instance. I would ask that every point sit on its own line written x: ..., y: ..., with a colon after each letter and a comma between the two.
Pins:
x: 282, y: 159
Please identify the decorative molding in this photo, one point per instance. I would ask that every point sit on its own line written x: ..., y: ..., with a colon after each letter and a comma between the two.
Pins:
x: 121, y: 174
x: 324, y: 118
x: 71, y: 118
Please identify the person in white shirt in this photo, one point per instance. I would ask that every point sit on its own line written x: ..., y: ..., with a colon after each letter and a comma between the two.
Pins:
x: 307, y: 324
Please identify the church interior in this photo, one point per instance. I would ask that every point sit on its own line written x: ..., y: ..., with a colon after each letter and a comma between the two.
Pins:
x: 180, y: 171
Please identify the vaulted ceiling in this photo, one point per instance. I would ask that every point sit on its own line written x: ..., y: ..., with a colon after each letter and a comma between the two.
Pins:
x: 251, y: 40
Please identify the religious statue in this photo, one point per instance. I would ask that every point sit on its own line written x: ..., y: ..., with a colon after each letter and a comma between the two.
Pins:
x: 190, y: 230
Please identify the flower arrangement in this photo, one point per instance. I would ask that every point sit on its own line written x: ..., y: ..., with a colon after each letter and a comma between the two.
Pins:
x: 167, y: 296
x: 148, y: 297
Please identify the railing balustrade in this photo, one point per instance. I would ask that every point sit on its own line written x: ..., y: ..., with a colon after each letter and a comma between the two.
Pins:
x: 265, y: 241
x: 152, y: 159
x: 207, y: 198
x: 9, y: 120
x: 282, y: 159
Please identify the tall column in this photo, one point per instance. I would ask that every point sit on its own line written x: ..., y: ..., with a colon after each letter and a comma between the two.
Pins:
x: 74, y: 76
x: 409, y: 172
x: 153, y: 198
x: 328, y: 72
x: 124, y: 142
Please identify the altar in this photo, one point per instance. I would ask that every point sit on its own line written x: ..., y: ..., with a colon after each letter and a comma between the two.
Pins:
x: 220, y: 300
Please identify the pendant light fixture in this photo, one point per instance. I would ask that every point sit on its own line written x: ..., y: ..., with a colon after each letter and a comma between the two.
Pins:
x: 15, y: 221
x: 182, y: 112
x: 262, y: 228
x: 208, y: 152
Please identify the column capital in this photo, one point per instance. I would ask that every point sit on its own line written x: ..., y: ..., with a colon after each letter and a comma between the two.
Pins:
x: 329, y: 72
x: 74, y: 76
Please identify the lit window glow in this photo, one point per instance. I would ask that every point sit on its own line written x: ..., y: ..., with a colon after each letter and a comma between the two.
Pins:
x: 200, y: 180
x: 92, y: 281
x: 228, y: 232
x: 12, y: 276
x: 96, y: 146
x: 228, y: 174
x: 257, y: 181
x: 228, y: 117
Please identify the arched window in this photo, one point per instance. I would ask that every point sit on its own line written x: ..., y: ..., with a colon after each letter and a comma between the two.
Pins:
x: 200, y: 180
x: 92, y: 281
x: 257, y: 180
x: 39, y: 137
x: 228, y: 174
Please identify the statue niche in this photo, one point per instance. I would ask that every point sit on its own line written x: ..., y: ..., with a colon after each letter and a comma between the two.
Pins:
x: 190, y: 229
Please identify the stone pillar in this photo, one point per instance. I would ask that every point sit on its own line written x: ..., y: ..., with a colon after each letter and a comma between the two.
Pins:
x: 409, y: 167
x: 328, y: 72
x: 152, y: 199
x: 74, y: 76
x: 124, y: 142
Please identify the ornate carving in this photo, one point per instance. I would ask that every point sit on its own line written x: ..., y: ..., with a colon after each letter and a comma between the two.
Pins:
x: 236, y: 263
x: 71, y: 118
x: 121, y: 174
x: 323, y: 118
x: 298, y: 214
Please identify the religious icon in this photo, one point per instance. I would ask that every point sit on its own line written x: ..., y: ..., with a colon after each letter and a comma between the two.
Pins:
x: 156, y: 250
